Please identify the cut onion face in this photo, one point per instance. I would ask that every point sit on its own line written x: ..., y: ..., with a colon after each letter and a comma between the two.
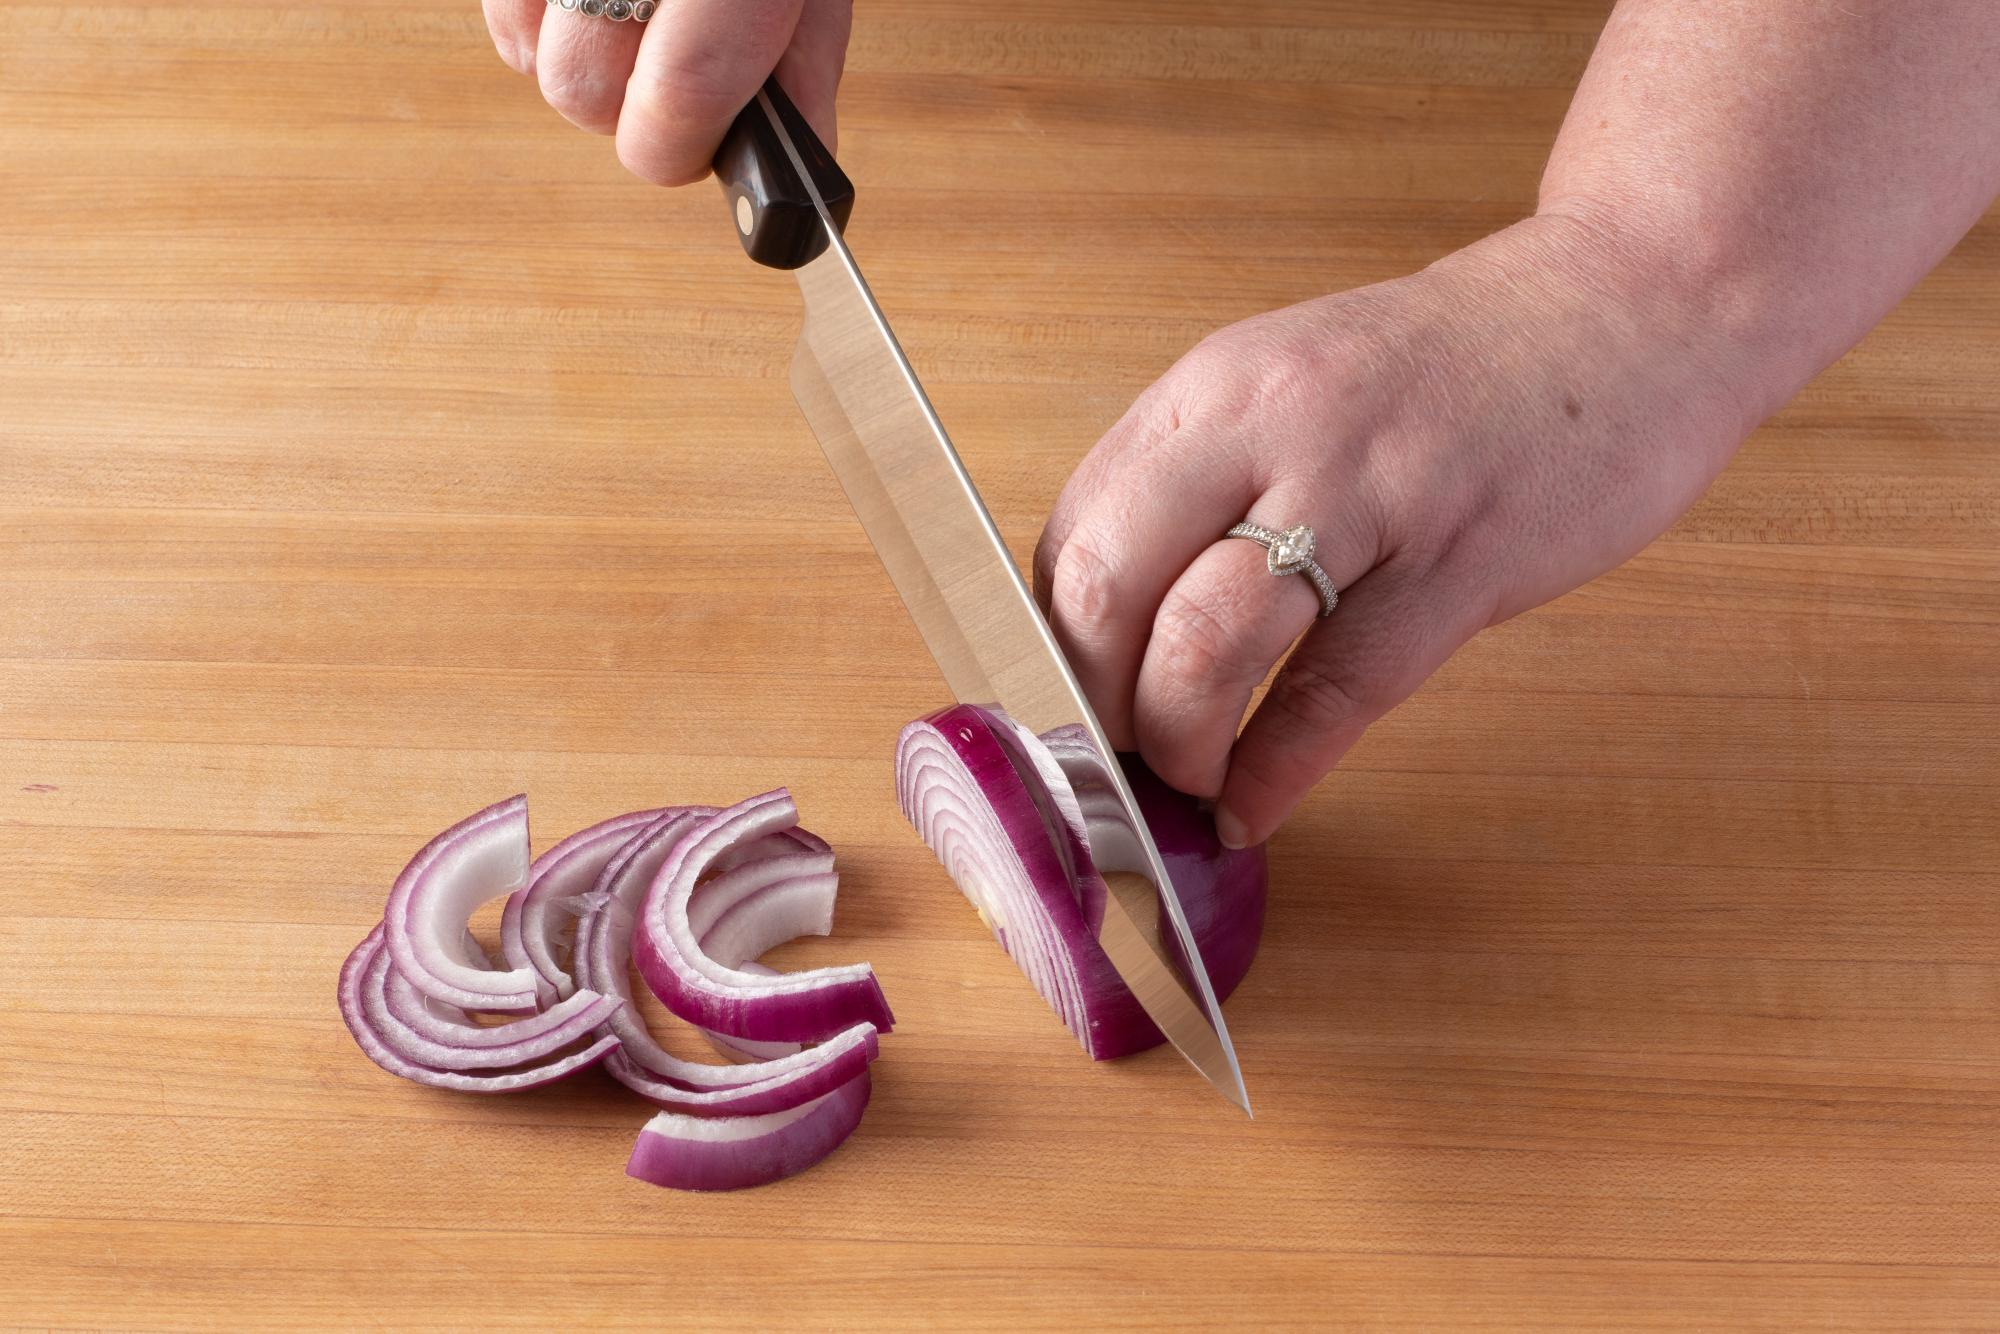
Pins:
x: 541, y: 919
x: 363, y: 976
x: 995, y: 804
x: 805, y: 1006
x: 762, y: 899
x: 479, y: 858
x: 695, y: 1153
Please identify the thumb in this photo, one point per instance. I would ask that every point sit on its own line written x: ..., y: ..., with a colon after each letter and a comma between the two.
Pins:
x: 810, y: 69
x: 1391, y: 630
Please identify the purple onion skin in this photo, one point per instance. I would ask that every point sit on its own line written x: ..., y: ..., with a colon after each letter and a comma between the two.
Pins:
x: 825, y: 1007
x: 780, y: 1094
x: 801, y: 1138
x: 803, y: 1016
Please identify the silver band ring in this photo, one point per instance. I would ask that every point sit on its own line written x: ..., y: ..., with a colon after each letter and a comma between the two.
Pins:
x: 1291, y: 552
x: 618, y: 11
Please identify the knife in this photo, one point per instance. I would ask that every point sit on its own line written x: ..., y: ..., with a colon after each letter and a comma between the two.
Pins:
x: 789, y: 201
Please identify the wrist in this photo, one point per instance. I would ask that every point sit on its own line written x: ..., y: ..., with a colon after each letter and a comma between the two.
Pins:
x: 1663, y: 337
x: 1713, y: 300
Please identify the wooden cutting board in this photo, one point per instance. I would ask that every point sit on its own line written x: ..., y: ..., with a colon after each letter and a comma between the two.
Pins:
x: 371, y: 448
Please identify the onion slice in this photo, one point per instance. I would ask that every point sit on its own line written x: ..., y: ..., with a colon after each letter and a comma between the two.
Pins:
x: 603, y: 961
x: 474, y: 1050
x: 450, y: 1026
x: 1013, y: 836
x: 792, y: 1007
x: 556, y: 880
x: 746, y: 1049
x: 696, y: 1153
x: 515, y: 952
x: 364, y: 968
x: 481, y: 857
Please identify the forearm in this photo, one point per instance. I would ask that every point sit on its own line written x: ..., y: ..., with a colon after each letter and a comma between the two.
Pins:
x: 1782, y: 171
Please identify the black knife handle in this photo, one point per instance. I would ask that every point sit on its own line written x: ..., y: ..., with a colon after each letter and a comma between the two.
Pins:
x: 770, y: 206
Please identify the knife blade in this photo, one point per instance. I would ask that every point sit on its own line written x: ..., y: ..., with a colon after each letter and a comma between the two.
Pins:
x: 938, y: 543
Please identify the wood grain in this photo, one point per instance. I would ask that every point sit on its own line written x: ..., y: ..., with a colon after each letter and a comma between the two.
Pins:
x: 371, y: 448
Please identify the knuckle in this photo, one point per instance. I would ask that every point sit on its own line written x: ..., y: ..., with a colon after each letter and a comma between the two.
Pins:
x: 1082, y: 591
x: 679, y: 94
x: 705, y: 84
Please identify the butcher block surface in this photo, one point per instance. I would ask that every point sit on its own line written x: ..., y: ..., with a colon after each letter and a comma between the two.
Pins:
x: 372, y: 448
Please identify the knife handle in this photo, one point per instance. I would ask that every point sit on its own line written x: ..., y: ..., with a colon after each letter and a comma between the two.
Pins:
x: 771, y: 206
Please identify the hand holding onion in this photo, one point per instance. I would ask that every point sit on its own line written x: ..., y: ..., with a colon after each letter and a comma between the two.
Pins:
x: 1465, y: 443
x: 1739, y: 192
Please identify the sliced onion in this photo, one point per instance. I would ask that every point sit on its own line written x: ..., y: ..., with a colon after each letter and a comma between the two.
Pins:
x: 479, y: 858
x: 364, y: 970
x: 803, y: 839
x: 448, y: 1025
x: 652, y: 841
x: 697, y: 1153
x: 777, y: 859
x: 474, y: 1050
x: 746, y: 1049
x: 556, y: 880
x: 410, y: 992
x: 514, y: 951
x: 604, y: 958
x: 760, y: 922
x: 733, y: 935
x: 476, y: 953
x: 1023, y: 855
x: 766, y: 1086
x: 795, y: 1007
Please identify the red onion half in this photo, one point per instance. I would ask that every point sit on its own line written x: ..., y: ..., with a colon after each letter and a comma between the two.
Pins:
x: 993, y: 802
x: 700, y: 1153
x: 792, y: 1007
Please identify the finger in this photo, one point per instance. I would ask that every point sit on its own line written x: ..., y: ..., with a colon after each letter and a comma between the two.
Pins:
x: 1392, y: 630
x: 1157, y: 508
x: 514, y: 26
x: 1139, y: 423
x: 1223, y: 625
x: 584, y: 62
x: 810, y: 70
x: 694, y: 73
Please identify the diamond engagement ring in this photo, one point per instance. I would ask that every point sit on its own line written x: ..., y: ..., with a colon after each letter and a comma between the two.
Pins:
x: 1291, y: 552
x: 616, y: 10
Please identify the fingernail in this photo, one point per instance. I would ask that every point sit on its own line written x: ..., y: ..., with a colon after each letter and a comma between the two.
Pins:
x: 524, y: 57
x: 1230, y: 830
